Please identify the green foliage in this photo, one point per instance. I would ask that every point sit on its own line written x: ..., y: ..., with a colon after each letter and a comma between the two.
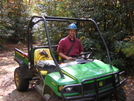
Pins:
x: 4, y: 32
x: 19, y: 21
x: 128, y: 49
x: 116, y: 21
x: 14, y: 20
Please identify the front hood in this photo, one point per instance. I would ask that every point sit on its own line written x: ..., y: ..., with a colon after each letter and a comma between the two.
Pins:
x: 75, y: 73
x: 79, y: 72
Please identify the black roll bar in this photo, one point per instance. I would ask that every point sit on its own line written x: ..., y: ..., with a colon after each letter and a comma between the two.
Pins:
x: 51, y: 18
x: 49, y: 44
x: 109, y: 59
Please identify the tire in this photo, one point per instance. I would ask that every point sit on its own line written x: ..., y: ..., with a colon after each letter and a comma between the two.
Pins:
x: 121, y: 96
x: 21, y: 83
x: 55, y: 98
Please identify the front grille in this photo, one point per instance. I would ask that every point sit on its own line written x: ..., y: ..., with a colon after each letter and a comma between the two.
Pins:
x: 105, y: 82
x: 90, y: 87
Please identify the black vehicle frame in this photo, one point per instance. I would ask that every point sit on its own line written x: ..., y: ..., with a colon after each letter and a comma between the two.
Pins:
x: 26, y: 62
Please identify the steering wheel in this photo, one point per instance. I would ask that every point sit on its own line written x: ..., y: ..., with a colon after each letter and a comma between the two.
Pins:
x: 86, y: 55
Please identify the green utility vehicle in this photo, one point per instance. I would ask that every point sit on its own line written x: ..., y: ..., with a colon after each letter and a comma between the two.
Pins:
x: 82, y: 79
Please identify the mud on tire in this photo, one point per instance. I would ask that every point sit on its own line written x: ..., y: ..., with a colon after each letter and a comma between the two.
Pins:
x: 21, y: 83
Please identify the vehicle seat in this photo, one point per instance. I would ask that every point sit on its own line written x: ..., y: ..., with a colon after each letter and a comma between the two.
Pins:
x: 39, y: 57
x: 44, y: 62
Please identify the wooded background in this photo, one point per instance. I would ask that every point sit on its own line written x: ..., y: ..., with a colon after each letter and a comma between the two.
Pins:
x: 114, y: 17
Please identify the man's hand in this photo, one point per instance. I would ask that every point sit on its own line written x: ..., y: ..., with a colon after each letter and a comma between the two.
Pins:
x: 65, y: 57
x: 69, y: 58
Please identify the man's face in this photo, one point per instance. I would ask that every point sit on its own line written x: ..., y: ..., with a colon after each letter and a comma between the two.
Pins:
x: 71, y: 32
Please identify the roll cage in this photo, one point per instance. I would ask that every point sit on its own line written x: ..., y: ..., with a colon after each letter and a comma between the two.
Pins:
x: 45, y: 19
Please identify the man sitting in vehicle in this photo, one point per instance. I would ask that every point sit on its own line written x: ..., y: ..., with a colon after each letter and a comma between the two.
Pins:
x: 70, y: 46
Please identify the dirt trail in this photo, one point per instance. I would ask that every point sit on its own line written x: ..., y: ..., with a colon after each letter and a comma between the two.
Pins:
x: 8, y: 90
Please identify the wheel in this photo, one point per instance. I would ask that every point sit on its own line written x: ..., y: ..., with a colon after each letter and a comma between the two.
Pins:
x: 21, y: 83
x: 52, y: 95
x: 121, y: 96
x: 55, y: 98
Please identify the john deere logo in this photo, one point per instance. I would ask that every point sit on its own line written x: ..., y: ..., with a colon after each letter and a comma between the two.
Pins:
x: 101, y: 83
x: 53, y: 84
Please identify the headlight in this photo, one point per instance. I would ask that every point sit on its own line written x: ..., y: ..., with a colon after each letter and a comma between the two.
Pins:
x: 60, y: 88
x: 68, y: 89
x: 116, y: 78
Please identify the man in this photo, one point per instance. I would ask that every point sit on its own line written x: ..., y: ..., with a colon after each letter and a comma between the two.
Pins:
x: 70, y: 46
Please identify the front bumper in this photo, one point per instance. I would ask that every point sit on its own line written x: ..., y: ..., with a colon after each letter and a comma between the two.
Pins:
x: 94, y: 89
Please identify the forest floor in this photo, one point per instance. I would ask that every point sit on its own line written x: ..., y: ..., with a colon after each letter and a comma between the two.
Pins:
x: 8, y: 90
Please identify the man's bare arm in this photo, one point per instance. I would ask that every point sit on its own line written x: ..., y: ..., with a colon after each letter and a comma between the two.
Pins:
x: 64, y: 56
